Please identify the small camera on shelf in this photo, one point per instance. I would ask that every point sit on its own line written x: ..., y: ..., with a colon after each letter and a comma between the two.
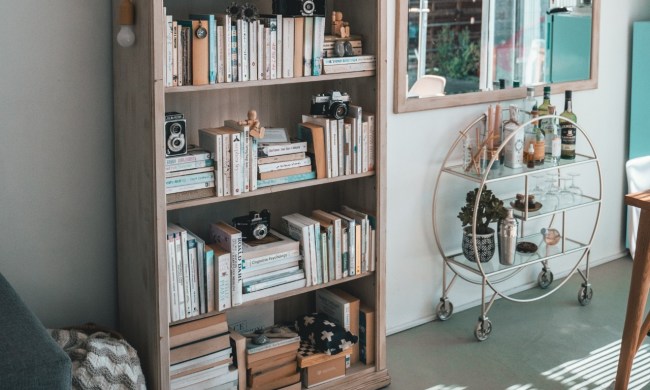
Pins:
x: 333, y: 103
x: 299, y: 7
x: 175, y: 134
x: 254, y: 226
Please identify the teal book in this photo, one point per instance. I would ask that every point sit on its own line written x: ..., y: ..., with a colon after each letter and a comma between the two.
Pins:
x: 212, y: 44
x: 286, y: 179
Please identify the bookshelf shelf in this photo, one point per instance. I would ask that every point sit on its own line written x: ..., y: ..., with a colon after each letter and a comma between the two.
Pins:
x: 266, y: 191
x: 142, y: 212
x: 264, y: 83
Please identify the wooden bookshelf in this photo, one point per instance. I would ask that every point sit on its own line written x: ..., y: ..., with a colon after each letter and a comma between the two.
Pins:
x: 142, y: 213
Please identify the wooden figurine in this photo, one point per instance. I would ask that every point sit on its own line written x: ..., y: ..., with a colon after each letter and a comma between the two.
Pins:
x: 339, y: 27
x: 255, y: 129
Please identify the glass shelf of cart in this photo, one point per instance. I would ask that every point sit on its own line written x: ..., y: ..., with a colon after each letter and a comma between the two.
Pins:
x: 544, y: 252
x: 544, y: 208
x: 503, y: 173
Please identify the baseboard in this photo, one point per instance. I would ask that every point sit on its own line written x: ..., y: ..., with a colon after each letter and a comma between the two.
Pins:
x: 511, y: 291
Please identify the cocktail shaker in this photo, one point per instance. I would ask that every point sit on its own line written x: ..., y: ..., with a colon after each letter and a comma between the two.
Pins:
x: 507, y: 237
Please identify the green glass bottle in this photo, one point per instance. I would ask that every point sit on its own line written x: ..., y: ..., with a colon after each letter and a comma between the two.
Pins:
x: 543, y: 108
x: 568, y: 129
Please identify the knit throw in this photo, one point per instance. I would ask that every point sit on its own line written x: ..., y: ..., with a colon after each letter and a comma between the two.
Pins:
x: 99, y: 361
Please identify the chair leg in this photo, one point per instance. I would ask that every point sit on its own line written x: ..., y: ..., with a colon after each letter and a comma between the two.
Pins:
x: 638, y: 295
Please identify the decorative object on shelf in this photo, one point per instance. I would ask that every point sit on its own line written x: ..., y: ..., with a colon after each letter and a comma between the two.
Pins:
x: 526, y: 247
x: 235, y: 10
x: 490, y: 209
x: 335, y: 338
x: 254, y: 225
x: 551, y: 236
x: 126, y: 35
x: 507, y: 237
x: 175, y: 130
x: 340, y: 28
x: 249, y: 12
x: 256, y: 130
x: 334, y: 104
x: 299, y: 7
x: 519, y: 204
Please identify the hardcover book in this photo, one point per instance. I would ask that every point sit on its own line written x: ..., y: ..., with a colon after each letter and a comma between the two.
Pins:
x: 230, y: 239
x: 314, y: 135
x: 202, y: 328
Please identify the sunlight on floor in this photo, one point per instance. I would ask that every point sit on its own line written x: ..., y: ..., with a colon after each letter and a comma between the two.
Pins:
x: 444, y: 387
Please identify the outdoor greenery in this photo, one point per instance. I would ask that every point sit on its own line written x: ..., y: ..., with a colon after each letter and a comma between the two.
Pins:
x: 455, y: 55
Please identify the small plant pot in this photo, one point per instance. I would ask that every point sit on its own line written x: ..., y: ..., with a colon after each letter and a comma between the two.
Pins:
x: 484, y: 243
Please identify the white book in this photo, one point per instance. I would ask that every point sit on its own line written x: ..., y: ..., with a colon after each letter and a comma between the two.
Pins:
x: 373, y: 250
x: 274, y: 281
x: 340, y: 126
x: 325, y: 123
x: 271, y: 150
x: 345, y: 255
x: 279, y: 53
x: 224, y: 20
x: 200, y: 271
x: 314, y: 247
x: 222, y: 262
x: 193, y: 155
x: 182, y: 180
x: 281, y: 158
x: 189, y: 171
x: 184, y: 256
x: 168, y: 50
x: 179, y: 54
x: 355, y: 114
x: 338, y: 239
x: 284, y: 165
x: 227, y: 165
x: 261, y: 68
x: 267, y: 53
x: 236, y: 149
x: 217, y: 377
x: 171, y: 277
x: 221, y: 68
x: 348, y: 152
x: 245, y: 47
x: 308, y: 45
x: 194, y: 276
x: 180, y: 279
x: 253, y: 164
x: 274, y: 48
x: 245, y: 141
x: 242, y: 51
x: 288, y: 47
x: 350, y: 224
x: 324, y: 244
x: 370, y: 118
x: 252, y: 49
x: 212, y: 141
x: 214, y: 357
x: 271, y: 267
x: 275, y: 290
x: 363, y: 220
x: 319, y: 36
x: 189, y: 187
x: 334, y: 142
x: 174, y: 53
x: 364, y: 146
x: 272, y: 274
x: 299, y: 231
x: 230, y: 239
x: 348, y: 60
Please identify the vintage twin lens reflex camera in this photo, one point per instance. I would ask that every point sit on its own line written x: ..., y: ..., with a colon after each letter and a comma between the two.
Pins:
x: 175, y: 134
x: 299, y: 7
x: 253, y: 226
x: 334, y: 104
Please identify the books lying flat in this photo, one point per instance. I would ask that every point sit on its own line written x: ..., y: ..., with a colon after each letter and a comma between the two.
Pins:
x: 196, y: 330
x: 292, y: 346
x: 286, y: 179
x: 284, y: 172
x: 278, y: 149
x: 345, y: 68
x: 273, y: 243
x: 269, y: 364
x: 280, y: 158
x: 214, y: 360
x: 275, y: 280
x: 190, y: 195
x: 200, y: 348
x: 209, y: 379
x: 274, y: 290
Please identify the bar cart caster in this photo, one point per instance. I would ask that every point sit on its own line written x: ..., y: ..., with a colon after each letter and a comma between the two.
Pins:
x: 545, y: 278
x: 445, y: 309
x: 585, y: 294
x: 483, y: 328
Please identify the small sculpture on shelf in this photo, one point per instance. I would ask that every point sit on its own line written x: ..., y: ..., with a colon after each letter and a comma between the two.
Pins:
x: 339, y: 27
x: 256, y: 130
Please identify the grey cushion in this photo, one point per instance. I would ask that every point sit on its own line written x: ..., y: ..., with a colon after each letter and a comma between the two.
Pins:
x: 29, y: 357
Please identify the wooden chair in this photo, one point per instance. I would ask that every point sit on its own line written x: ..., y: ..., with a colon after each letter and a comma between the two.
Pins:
x: 634, y: 330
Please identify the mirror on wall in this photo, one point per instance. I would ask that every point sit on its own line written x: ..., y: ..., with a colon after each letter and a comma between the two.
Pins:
x: 455, y: 52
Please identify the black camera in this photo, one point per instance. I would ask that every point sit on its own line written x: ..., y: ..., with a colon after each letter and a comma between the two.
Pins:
x: 175, y: 134
x: 253, y: 226
x: 333, y: 103
x: 299, y: 7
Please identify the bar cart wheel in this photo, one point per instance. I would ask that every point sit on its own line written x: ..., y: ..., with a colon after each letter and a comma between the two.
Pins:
x: 545, y: 278
x: 483, y: 329
x: 585, y: 294
x: 445, y: 309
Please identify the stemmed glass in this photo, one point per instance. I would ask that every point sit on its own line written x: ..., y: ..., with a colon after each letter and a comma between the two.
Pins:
x: 575, y: 190
x: 552, y: 196
x: 538, y: 190
x: 566, y: 196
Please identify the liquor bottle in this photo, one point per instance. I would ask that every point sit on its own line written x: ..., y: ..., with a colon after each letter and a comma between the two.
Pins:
x: 553, y: 140
x: 538, y: 156
x: 528, y: 104
x: 568, y: 129
x: 530, y: 156
x: 514, y: 149
x: 543, y: 108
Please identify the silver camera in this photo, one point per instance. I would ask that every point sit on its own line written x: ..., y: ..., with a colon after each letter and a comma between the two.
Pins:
x: 175, y: 134
x: 333, y: 104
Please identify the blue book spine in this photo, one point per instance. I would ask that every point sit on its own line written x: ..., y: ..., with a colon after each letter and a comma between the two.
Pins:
x: 286, y: 179
x: 189, y: 179
x: 234, y: 51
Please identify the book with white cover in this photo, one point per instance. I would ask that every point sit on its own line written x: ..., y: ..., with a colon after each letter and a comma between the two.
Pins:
x: 212, y: 378
x: 230, y: 239
x: 275, y: 290
x: 364, y: 146
x: 225, y: 22
x: 319, y: 34
x: 308, y: 53
x: 194, y: 287
x: 314, y: 247
x: 174, y: 314
x: 178, y: 265
x: 345, y: 68
x: 348, y: 152
x: 335, y: 221
x: 200, y: 271
x: 193, y: 154
x: 370, y: 118
x: 252, y: 49
x: 298, y: 230
x: 349, y: 60
x: 334, y: 142
x: 361, y: 219
x: 284, y: 165
x: 274, y: 243
x: 189, y: 171
x: 271, y: 150
x: 272, y: 281
x: 183, y: 256
x: 281, y: 158
x: 246, y: 151
x: 222, y: 262
x: 288, y: 25
x: 271, y: 274
x: 279, y: 45
x: 262, y: 269
x: 212, y: 140
x: 208, y: 361
x: 325, y: 123
x: 350, y: 224
x: 189, y: 187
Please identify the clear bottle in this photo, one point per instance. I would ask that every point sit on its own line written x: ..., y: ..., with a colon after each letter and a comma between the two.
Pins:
x: 539, y: 152
x: 567, y: 129
x: 530, y: 161
x: 529, y: 133
x: 543, y: 108
x: 553, y: 140
x: 513, y: 156
x: 528, y: 104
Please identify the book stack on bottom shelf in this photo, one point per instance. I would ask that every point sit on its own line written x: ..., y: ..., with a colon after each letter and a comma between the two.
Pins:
x: 273, y: 364
x: 317, y: 367
x: 201, y: 356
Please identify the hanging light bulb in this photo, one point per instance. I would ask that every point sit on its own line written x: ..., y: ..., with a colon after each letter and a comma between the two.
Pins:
x: 126, y: 35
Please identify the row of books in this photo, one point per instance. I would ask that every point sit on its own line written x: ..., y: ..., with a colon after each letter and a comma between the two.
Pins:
x: 201, y: 355
x: 191, y: 172
x: 215, y: 48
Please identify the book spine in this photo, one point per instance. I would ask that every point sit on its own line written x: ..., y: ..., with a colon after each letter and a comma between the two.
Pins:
x: 221, y: 70
x: 237, y: 165
x: 319, y: 36
x: 273, y: 282
x: 246, y: 159
x: 252, y: 49
x: 261, y: 68
x: 174, y: 53
x: 284, y: 165
x: 370, y: 118
x: 334, y: 147
x: 210, y: 272
x: 194, y: 286
x: 188, y: 165
x: 187, y: 279
x: 279, y: 46
x: 179, y: 54
x: 328, y: 147
x: 180, y: 278
x: 171, y: 276
x: 364, y: 146
x: 267, y: 53
x: 348, y: 60
x: 227, y: 165
x: 273, y: 274
x: 348, y: 148
x: 168, y: 51
x: 345, y: 253
x: 324, y: 255
x: 345, y: 68
x: 308, y: 45
x: 243, y: 47
x: 189, y: 179
x: 218, y: 158
x: 268, y: 260
x: 316, y: 261
x: 329, y: 52
x: 274, y: 290
x: 298, y: 45
x: 273, y: 39
x: 286, y: 179
x: 357, y: 251
x: 236, y: 250
x: 200, y: 262
x: 281, y: 158
x: 189, y: 187
x: 213, y: 50
x: 276, y: 150
x: 287, y: 50
x: 300, y: 233
x: 340, y: 126
x: 223, y: 282
x: 234, y: 53
x: 227, y: 48
x: 198, y: 156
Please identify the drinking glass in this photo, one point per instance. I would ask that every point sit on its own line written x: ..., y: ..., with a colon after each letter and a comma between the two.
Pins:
x: 552, y: 196
x: 566, y: 196
x: 575, y: 190
x: 539, y: 191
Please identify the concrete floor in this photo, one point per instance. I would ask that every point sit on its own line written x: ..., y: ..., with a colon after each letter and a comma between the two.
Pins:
x: 553, y: 343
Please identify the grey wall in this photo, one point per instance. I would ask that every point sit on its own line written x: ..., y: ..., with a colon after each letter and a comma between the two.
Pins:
x: 57, y: 241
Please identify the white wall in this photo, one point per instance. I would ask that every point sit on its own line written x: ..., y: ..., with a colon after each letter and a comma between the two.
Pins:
x: 418, y: 142
x: 57, y: 241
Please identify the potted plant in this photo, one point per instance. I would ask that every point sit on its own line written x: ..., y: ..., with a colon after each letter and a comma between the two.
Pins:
x: 490, y: 209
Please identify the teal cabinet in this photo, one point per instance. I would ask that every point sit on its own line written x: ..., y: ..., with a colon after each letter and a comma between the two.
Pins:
x: 640, y: 91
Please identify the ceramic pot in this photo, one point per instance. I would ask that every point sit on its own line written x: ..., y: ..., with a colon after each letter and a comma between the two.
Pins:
x: 484, y: 243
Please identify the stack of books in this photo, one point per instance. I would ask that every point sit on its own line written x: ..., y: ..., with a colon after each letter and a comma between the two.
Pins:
x: 349, y: 64
x: 329, y: 40
x: 280, y: 163
x: 273, y: 365
x: 200, y: 354
x: 189, y: 176
x: 271, y: 266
